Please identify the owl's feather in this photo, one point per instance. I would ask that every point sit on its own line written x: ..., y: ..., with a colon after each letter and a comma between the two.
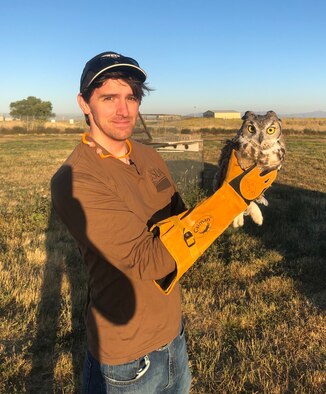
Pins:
x: 223, y: 162
x: 259, y: 141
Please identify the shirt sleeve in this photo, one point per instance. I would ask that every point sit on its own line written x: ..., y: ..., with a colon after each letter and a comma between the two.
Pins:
x: 104, y: 225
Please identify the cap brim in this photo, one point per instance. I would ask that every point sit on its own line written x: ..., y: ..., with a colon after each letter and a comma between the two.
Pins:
x: 135, y: 71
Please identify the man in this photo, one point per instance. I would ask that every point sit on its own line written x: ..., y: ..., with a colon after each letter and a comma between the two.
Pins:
x: 110, y: 193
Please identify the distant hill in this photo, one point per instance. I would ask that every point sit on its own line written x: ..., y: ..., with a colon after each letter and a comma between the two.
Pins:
x: 314, y: 114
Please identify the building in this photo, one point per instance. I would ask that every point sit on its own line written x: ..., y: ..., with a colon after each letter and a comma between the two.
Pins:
x: 4, y: 118
x: 161, y: 117
x: 226, y: 114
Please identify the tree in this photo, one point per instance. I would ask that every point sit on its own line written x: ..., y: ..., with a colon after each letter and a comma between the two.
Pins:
x: 32, y: 111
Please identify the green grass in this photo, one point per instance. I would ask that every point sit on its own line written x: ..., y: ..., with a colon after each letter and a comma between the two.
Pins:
x: 254, y: 303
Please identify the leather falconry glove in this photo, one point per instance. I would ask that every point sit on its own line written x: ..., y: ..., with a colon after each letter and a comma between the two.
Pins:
x: 187, y: 235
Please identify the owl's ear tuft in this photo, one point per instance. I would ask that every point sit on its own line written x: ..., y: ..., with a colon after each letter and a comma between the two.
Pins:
x: 248, y: 115
x: 271, y: 114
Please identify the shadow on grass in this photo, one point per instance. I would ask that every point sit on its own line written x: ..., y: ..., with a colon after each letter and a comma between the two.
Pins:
x: 59, y: 323
x: 51, y: 340
x: 295, y: 226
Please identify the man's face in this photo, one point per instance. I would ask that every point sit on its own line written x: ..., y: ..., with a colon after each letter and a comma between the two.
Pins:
x: 112, y: 110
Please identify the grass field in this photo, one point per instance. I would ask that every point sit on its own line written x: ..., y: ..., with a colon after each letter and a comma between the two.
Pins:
x: 289, y: 124
x: 254, y: 304
x: 297, y: 124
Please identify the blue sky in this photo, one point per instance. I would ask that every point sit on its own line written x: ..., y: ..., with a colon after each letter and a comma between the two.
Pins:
x: 198, y: 55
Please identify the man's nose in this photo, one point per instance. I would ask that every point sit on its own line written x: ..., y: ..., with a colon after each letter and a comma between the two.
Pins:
x: 122, y: 108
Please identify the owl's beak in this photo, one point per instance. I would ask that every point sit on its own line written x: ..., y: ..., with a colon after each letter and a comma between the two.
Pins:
x: 261, y: 138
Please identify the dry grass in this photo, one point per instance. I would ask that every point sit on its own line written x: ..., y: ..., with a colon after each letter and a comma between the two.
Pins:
x: 254, y: 303
x: 298, y: 124
x: 60, y: 125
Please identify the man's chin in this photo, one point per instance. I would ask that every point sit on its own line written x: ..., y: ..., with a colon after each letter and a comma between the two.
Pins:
x: 122, y: 134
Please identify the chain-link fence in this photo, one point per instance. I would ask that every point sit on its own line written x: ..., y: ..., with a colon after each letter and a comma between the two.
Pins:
x: 182, y: 152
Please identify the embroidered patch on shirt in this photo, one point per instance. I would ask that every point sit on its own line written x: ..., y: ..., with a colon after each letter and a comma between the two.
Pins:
x: 159, y: 179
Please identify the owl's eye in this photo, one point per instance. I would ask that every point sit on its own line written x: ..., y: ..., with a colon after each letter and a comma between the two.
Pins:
x: 251, y: 128
x: 270, y: 130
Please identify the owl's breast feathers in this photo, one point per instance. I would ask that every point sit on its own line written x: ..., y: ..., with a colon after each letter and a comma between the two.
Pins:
x: 247, y: 152
x: 267, y: 156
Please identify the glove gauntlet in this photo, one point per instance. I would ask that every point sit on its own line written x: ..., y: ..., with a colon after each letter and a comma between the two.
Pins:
x: 187, y: 235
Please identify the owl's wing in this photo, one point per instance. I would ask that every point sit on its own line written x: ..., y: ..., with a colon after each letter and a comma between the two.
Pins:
x: 223, y: 162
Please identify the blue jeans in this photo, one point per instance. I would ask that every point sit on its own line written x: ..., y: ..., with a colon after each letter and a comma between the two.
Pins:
x: 164, y: 370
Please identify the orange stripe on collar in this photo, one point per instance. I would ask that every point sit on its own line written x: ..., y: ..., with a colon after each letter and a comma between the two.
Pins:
x: 101, y: 154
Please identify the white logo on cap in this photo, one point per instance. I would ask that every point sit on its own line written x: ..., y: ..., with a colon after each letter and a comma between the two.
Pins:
x: 113, y: 55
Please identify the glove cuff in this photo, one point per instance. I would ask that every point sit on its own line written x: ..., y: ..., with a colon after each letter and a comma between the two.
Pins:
x: 189, y: 234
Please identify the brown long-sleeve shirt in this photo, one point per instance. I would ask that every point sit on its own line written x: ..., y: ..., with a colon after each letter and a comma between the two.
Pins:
x: 109, y: 207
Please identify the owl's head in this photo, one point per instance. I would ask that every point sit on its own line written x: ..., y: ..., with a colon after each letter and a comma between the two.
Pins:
x: 261, y: 128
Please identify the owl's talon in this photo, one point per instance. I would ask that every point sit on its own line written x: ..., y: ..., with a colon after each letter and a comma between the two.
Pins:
x: 263, y: 201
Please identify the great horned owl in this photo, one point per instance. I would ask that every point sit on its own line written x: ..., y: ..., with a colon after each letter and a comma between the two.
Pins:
x: 259, y: 141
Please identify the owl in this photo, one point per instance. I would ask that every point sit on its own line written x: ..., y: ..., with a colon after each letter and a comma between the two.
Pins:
x: 259, y: 141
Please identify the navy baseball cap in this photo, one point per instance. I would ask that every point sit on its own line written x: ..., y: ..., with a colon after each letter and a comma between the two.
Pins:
x: 110, y: 61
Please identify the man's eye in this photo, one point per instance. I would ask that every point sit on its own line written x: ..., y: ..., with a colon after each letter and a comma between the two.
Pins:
x: 133, y: 98
x: 108, y: 98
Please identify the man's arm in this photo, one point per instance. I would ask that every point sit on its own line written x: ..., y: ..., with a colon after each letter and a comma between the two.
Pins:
x: 98, y: 219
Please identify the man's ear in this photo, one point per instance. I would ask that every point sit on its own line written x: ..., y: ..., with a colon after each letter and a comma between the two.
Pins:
x: 83, y: 105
